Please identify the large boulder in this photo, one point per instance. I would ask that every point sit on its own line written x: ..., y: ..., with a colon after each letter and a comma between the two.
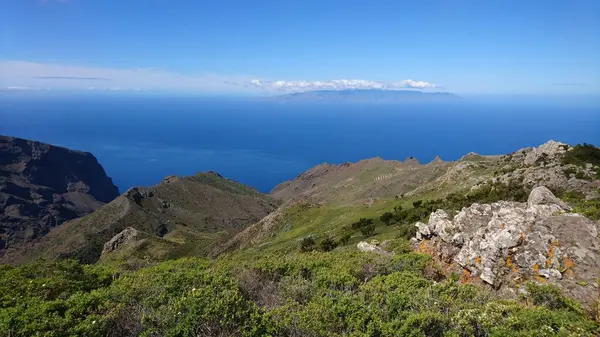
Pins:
x: 543, y: 196
x: 126, y: 236
x: 505, y: 244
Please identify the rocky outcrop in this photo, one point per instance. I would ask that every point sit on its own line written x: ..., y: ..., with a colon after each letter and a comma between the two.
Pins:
x: 128, y: 235
x: 547, y: 150
x: 505, y: 244
x: 42, y: 186
x: 373, y: 247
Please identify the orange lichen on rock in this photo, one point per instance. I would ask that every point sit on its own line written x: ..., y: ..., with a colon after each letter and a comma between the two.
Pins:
x: 511, y: 265
x: 502, y: 225
x: 478, y: 260
x: 550, y: 255
x: 569, y: 264
x: 523, y: 236
x: 424, y: 247
x: 466, y: 276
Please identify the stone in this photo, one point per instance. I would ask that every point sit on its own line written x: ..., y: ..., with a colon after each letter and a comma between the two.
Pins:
x: 422, y: 230
x: 548, y: 150
x: 543, y: 196
x: 367, y: 247
x: 505, y: 243
x: 129, y: 234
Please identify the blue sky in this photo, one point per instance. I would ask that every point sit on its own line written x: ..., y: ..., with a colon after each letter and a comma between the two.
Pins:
x: 487, y: 47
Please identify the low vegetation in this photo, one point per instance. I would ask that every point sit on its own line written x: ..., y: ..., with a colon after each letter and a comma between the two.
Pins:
x: 589, y: 208
x: 311, y: 294
x: 405, y: 218
x: 583, y: 154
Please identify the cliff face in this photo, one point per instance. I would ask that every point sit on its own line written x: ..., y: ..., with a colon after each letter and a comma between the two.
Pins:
x: 42, y: 186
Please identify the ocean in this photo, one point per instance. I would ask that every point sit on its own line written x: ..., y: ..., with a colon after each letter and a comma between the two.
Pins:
x: 141, y: 138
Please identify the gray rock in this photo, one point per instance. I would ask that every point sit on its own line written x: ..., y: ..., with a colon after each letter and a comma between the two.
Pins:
x: 543, y: 196
x: 129, y: 234
x: 549, y: 149
x: 368, y: 247
x: 422, y: 231
x: 506, y: 243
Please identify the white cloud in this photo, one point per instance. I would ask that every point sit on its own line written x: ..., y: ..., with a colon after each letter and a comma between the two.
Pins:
x: 291, y: 86
x: 33, y: 75
x: 57, y: 76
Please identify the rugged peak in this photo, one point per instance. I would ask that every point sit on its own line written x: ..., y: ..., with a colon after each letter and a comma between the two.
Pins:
x: 137, y: 194
x: 411, y: 161
x: 547, y: 150
x: 470, y: 156
x: 436, y: 160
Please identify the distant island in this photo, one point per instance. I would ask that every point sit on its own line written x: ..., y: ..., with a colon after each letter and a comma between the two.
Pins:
x: 366, y: 96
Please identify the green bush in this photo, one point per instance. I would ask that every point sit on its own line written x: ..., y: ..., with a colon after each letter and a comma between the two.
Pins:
x: 328, y: 244
x: 365, y: 226
x: 344, y: 239
x: 550, y: 297
x: 387, y: 218
x: 308, y: 244
x: 583, y: 154
x: 313, y: 294
x: 368, y: 230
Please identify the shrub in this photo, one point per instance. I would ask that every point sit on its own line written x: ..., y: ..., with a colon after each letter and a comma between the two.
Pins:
x: 570, y: 170
x: 328, y: 244
x: 387, y: 218
x: 582, y: 154
x: 363, y: 222
x: 344, y: 239
x: 589, y: 208
x: 417, y: 203
x: 368, y: 230
x: 549, y: 296
x: 308, y: 244
x: 345, y: 293
x: 581, y: 175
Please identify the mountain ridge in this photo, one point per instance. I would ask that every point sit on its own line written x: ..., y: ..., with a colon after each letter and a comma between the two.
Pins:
x: 193, y: 212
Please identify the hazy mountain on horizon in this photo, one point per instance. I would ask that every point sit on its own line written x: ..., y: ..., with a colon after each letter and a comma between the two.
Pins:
x: 366, y: 96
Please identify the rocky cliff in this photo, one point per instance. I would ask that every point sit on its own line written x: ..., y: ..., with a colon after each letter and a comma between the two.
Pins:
x: 180, y: 216
x: 42, y: 186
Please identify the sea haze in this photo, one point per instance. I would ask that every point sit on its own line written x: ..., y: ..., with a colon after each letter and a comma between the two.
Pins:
x: 140, y: 138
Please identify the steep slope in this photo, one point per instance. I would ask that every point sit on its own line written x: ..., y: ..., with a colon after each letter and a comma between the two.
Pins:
x: 189, y: 215
x: 377, y: 178
x: 327, y: 199
x: 490, y: 218
x: 349, y: 182
x: 42, y: 186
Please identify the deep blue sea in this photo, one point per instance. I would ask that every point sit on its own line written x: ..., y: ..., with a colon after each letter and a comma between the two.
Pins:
x: 140, y: 138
